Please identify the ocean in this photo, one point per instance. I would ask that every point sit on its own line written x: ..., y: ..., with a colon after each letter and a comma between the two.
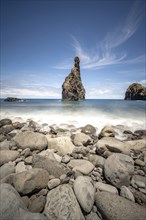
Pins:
x: 96, y: 112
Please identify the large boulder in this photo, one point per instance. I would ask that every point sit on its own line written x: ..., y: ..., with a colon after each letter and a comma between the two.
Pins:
x: 118, y: 169
x: 89, y: 130
x: 30, y: 181
x: 81, y: 139
x: 8, y: 155
x: 84, y: 192
x: 62, y: 204
x: 112, y: 144
x: 12, y: 206
x: 62, y: 145
x: 5, y: 121
x: 72, y: 88
x: 115, y: 207
x: 32, y: 140
x: 53, y: 167
x: 135, y: 92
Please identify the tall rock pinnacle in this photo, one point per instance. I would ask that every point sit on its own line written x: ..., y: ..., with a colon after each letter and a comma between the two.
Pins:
x: 72, y: 88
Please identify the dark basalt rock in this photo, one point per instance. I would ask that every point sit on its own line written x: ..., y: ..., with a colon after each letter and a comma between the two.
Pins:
x: 12, y: 99
x: 135, y: 92
x: 72, y: 88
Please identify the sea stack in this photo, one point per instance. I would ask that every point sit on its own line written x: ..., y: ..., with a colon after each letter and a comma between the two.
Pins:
x: 72, y: 88
x: 135, y: 92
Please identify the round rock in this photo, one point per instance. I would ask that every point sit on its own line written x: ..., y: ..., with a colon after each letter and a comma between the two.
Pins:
x: 89, y: 129
x: 84, y: 192
x: 83, y: 166
x: 32, y: 140
x: 62, y: 204
x: 118, y: 169
x: 115, y: 207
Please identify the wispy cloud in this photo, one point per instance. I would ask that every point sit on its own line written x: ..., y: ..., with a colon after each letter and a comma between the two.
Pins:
x: 29, y: 89
x: 105, y: 53
x: 31, y: 92
x: 125, y: 30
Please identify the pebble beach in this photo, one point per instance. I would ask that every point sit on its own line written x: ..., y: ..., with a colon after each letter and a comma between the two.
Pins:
x: 50, y: 172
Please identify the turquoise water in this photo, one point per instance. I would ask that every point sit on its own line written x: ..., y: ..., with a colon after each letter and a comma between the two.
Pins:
x: 96, y: 112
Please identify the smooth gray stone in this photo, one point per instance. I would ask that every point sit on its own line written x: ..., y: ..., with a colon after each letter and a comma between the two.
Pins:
x: 114, y: 207
x: 62, y: 204
x: 12, y: 206
x: 32, y: 140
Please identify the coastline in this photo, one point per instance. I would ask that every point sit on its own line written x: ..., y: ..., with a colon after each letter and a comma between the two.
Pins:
x: 109, y: 164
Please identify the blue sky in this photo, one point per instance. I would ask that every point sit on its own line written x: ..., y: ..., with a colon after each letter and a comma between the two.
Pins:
x: 39, y: 40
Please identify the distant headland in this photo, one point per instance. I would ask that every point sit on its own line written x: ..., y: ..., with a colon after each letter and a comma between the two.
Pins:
x: 13, y: 99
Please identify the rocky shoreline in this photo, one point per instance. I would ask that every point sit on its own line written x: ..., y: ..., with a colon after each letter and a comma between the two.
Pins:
x: 68, y: 173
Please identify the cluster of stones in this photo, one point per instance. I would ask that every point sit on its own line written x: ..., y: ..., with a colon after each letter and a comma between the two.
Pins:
x: 59, y: 173
x: 72, y: 88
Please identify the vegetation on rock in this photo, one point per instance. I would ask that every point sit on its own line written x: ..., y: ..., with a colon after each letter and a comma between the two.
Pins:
x: 135, y: 92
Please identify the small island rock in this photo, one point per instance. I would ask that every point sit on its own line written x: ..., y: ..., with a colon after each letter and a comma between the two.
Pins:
x: 135, y: 92
x: 72, y: 88
x: 13, y: 99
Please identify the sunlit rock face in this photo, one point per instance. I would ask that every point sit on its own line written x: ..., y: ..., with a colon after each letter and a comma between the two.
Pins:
x: 135, y: 92
x: 72, y: 88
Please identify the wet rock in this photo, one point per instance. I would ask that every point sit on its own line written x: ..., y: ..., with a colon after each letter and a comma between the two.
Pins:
x: 118, y: 169
x: 119, y: 208
x: 62, y: 204
x: 32, y: 180
x: 6, y: 129
x: 62, y: 145
x: 81, y: 139
x: 140, y: 133
x: 89, y: 130
x: 107, y: 131
x: 18, y: 125
x: 84, y: 192
x: 5, y: 121
x: 83, y: 166
x: 8, y: 155
x: 32, y: 140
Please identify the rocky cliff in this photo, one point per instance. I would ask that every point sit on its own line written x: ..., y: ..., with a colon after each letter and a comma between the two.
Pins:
x: 72, y: 88
x: 135, y: 92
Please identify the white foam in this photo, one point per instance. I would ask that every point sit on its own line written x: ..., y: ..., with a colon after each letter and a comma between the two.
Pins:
x: 98, y: 119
